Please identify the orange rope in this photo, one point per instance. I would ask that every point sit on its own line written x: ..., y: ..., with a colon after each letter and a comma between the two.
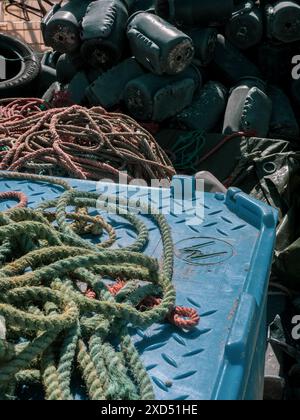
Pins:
x: 181, y: 317
x: 15, y: 195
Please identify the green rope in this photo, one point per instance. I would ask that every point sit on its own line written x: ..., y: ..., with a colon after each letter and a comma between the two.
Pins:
x: 67, y: 355
x: 7, y: 351
x: 90, y: 374
x: 50, y: 376
x: 29, y: 376
x: 53, y: 329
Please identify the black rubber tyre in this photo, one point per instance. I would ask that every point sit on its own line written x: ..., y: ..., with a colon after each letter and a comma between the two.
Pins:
x: 22, y: 67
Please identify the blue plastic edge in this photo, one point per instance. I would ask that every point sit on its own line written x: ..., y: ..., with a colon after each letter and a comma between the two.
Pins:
x: 233, y: 381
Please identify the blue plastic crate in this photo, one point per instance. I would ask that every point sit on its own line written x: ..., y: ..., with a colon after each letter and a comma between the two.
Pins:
x: 223, y: 358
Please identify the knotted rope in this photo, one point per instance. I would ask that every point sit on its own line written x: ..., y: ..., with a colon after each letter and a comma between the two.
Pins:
x: 13, y: 110
x: 61, y: 316
x: 74, y: 141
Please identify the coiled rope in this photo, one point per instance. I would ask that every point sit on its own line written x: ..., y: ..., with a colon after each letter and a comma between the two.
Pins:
x: 14, y: 195
x: 17, y: 109
x: 78, y: 142
x: 61, y: 317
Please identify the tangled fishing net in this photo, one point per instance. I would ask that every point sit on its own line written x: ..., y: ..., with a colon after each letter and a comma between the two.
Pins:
x: 77, y: 142
x: 67, y: 302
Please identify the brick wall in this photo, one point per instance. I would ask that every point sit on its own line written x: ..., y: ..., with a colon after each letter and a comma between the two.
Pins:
x: 27, y: 31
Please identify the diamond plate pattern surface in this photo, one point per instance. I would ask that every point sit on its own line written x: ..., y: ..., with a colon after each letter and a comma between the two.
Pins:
x: 184, y: 365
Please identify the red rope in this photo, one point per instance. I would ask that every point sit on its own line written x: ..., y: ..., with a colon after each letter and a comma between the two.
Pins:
x: 113, y: 289
x: 61, y: 100
x: 90, y: 294
x: 180, y: 316
x: 83, y: 143
x: 183, y: 317
x: 15, y: 195
x: 14, y: 110
x: 116, y: 287
x: 224, y: 141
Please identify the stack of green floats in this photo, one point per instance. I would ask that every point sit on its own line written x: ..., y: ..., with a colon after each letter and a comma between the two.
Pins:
x: 205, y: 65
